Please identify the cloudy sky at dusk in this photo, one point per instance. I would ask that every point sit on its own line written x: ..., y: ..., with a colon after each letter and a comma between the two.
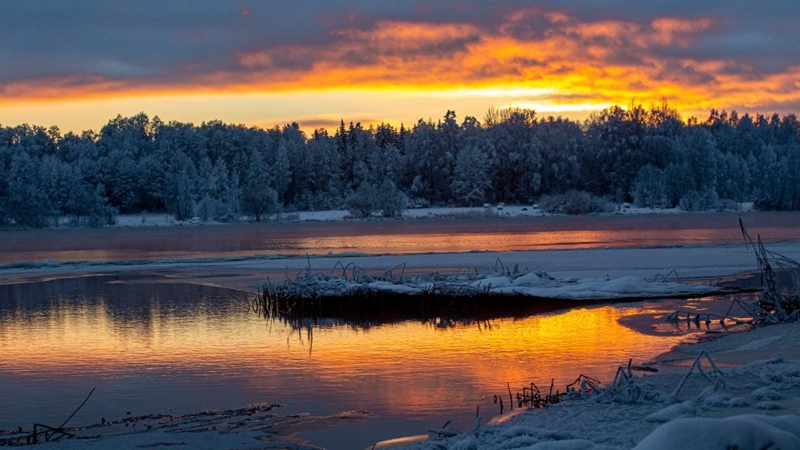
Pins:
x: 78, y: 63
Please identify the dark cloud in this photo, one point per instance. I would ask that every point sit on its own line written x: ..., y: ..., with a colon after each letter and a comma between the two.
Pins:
x: 202, y: 41
x: 683, y: 73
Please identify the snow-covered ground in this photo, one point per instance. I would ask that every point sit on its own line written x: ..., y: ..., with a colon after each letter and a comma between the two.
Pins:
x: 754, y: 405
x: 519, y: 284
x: 513, y: 211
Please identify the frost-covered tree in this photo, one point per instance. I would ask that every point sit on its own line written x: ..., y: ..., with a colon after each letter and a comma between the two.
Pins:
x: 471, y: 179
x: 26, y: 202
x: 89, y: 206
x: 650, y: 188
x: 181, y: 197
x: 180, y: 168
x: 281, y: 171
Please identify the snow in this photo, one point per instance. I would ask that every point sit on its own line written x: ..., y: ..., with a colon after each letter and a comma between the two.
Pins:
x: 766, y: 393
x: 769, y: 406
x: 528, y: 284
x: 600, y: 288
x: 531, y: 279
x: 386, y: 286
x: 742, y: 432
x: 759, y: 343
x: 672, y: 412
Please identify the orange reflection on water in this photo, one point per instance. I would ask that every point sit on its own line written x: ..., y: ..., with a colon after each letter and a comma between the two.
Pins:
x: 499, y: 241
x: 405, y: 369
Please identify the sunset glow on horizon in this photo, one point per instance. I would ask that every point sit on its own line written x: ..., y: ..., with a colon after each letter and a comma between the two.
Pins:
x: 266, y: 65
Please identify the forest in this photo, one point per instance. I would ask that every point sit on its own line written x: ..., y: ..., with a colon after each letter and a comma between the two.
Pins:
x: 225, y: 172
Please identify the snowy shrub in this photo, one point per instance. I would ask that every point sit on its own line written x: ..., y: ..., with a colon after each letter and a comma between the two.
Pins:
x: 363, y: 201
x: 259, y: 201
x: 727, y: 204
x: 101, y: 214
x: 390, y: 200
x: 206, y: 208
x: 418, y: 202
x: 704, y: 200
x: 226, y: 213
x: 573, y: 202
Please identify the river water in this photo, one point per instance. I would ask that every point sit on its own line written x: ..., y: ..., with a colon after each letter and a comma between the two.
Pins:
x: 182, y: 348
x: 391, y: 237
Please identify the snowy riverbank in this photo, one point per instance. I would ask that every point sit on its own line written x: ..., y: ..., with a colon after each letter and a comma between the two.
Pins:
x: 755, y: 404
x: 506, y: 211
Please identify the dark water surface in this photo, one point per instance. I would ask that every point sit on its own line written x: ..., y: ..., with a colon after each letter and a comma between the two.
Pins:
x: 396, y: 237
x: 181, y: 348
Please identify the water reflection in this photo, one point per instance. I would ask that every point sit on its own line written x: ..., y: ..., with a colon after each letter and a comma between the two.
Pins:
x: 184, y: 348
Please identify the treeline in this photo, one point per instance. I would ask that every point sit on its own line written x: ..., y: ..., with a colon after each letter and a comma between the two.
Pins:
x: 223, y: 172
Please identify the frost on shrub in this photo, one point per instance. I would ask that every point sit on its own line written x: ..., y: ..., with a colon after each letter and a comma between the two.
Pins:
x: 573, y: 202
x: 727, y: 204
x: 259, y: 201
x: 363, y: 201
x: 704, y: 200
x: 390, y: 200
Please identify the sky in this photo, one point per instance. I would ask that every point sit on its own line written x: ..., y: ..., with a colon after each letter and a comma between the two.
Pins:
x: 79, y: 63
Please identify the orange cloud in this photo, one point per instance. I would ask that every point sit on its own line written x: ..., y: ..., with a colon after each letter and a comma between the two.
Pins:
x: 585, y: 64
